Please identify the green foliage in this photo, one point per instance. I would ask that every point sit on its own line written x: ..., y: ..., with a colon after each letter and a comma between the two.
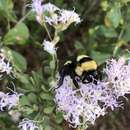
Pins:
x: 17, y: 35
x: 107, y: 32
x: 18, y: 61
x: 114, y: 16
x: 6, y: 10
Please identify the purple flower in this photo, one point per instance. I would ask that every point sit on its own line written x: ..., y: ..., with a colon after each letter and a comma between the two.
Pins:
x: 77, y: 104
x: 13, y: 99
x: 49, y: 7
x: 3, y: 100
x: 118, y: 76
x: 62, y: 19
x: 8, y: 100
x: 5, y: 66
x: 27, y: 124
x: 37, y: 6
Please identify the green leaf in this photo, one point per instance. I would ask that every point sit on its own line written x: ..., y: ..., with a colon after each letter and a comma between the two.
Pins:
x: 107, y: 32
x: 78, y: 45
x: 59, y: 2
x: 114, y: 16
x: 46, y: 96
x: 47, y: 128
x: 23, y: 78
x: 18, y: 61
x: 24, y: 101
x: 17, y: 35
x: 125, y: 1
x: 99, y: 56
x: 126, y: 35
x: 52, y: 65
x: 37, y: 77
x: 32, y: 97
x: 6, y: 9
x: 49, y: 110
x: 59, y: 117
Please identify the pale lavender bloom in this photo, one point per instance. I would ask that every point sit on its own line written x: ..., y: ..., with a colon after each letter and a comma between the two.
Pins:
x: 77, y: 104
x: 8, y: 100
x: 69, y: 99
x: 62, y: 19
x: 53, y: 20
x: 49, y: 47
x: 67, y: 16
x: 27, y: 124
x: 111, y: 101
x: 13, y: 99
x: 118, y: 76
x: 40, y: 9
x: 3, y: 100
x: 5, y: 66
x: 51, y: 8
x: 37, y: 6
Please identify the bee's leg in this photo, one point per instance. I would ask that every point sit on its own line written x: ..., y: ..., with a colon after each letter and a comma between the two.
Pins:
x: 73, y: 77
x: 76, y: 83
x: 60, y: 82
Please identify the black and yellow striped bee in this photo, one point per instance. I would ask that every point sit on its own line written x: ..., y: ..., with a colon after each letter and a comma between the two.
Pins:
x: 83, y: 67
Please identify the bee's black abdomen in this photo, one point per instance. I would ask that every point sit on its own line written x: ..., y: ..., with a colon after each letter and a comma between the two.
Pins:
x: 66, y: 70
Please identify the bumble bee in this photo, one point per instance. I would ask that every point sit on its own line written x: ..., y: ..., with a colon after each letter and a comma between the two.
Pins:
x: 83, y: 67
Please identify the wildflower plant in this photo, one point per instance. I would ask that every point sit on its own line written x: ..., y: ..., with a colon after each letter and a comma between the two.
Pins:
x: 32, y: 51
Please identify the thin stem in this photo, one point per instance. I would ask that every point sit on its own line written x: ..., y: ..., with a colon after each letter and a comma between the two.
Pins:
x: 23, y: 7
x: 120, y: 43
x: 23, y: 18
x: 54, y: 60
x: 56, y: 64
x: 41, y: 128
x: 48, y: 33
x: 56, y: 40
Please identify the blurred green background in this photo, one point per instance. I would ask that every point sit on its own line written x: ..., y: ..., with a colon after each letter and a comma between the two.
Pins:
x: 103, y: 32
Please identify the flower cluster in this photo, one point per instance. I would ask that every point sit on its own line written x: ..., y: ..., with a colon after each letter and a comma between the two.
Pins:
x: 8, y: 100
x: 5, y: 66
x: 27, y: 124
x: 50, y: 8
x: 37, y: 7
x: 60, y: 19
x: 82, y: 106
x: 118, y: 75
x: 49, y: 47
